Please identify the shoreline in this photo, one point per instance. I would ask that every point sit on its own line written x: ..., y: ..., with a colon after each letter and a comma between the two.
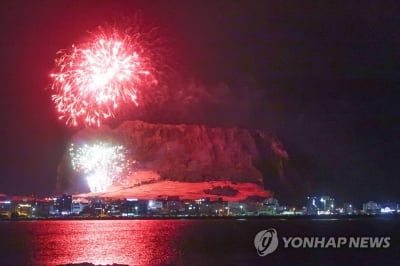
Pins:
x: 264, y: 217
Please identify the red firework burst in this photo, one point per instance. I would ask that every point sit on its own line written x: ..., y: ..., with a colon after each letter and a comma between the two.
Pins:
x: 92, y: 80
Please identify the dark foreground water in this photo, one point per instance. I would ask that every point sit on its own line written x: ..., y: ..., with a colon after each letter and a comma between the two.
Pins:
x: 188, y: 242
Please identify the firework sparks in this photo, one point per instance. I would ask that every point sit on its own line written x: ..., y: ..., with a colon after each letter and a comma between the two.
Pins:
x: 93, y: 79
x: 102, y: 164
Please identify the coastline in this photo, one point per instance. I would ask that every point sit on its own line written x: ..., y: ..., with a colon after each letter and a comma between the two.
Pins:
x: 263, y: 217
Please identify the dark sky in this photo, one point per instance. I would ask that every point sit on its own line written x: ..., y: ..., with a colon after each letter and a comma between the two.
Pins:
x: 323, y: 77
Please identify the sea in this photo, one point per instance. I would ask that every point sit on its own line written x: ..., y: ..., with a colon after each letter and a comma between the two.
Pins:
x: 192, y: 242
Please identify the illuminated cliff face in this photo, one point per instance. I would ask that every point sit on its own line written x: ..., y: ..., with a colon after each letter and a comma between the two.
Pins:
x: 190, y: 153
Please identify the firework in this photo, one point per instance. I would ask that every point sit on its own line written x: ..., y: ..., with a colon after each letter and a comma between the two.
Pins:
x: 92, y: 80
x: 102, y: 164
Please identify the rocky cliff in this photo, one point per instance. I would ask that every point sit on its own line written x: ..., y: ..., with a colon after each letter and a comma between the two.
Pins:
x: 190, y: 153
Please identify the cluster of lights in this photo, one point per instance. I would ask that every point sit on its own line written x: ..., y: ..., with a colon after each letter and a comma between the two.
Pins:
x: 93, y: 79
x: 102, y: 164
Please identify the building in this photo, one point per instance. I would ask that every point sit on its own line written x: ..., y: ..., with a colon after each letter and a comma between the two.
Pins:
x: 62, y: 205
x: 388, y: 208
x: 5, y: 208
x: 78, y: 206
x: 203, y: 206
x: 134, y: 207
x: 219, y: 208
x: 320, y: 205
x: 371, y: 208
x: 237, y: 208
x: 292, y: 210
x: 327, y: 205
x: 155, y: 207
x: 24, y: 210
x: 271, y: 201
x: 174, y: 205
x: 312, y: 205
x: 42, y: 207
x: 348, y: 209
x: 114, y: 208
x: 191, y: 208
x: 269, y: 207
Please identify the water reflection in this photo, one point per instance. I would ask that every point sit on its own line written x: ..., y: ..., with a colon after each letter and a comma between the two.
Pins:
x: 131, y: 242
x: 186, y: 242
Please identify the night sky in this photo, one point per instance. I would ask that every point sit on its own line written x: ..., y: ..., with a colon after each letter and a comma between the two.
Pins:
x: 321, y: 76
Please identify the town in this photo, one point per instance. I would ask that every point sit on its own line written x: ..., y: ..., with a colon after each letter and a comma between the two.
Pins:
x: 68, y: 206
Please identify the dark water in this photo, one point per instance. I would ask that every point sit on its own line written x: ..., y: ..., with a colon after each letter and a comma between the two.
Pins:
x: 188, y: 242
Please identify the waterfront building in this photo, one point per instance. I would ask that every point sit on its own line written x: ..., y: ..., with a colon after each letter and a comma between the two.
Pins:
x: 219, y: 208
x: 320, y: 205
x: 174, y: 205
x: 191, y: 208
x: 78, y: 205
x: 327, y: 205
x: 271, y: 201
x: 237, y: 208
x: 42, y: 207
x: 388, y: 208
x: 371, y: 208
x: 348, y: 209
x: 269, y: 207
x: 155, y: 207
x: 64, y: 204
x: 5, y: 207
x: 24, y: 210
x: 312, y: 205
x: 203, y: 206
x: 133, y: 207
